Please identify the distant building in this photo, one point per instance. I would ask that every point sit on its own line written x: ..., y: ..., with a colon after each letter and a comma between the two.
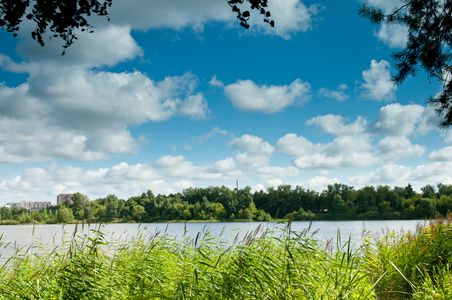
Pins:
x: 62, y: 197
x: 32, y: 206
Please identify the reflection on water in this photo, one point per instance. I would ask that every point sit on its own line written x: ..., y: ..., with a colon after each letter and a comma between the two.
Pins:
x: 42, y: 238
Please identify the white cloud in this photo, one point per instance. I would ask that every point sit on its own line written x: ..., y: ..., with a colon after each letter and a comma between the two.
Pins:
x: 394, y: 35
x: 72, y: 113
x: 389, y: 174
x: 211, y: 134
x: 448, y: 136
x: 343, y: 152
x: 319, y: 183
x: 215, y: 82
x: 334, y: 124
x: 178, y: 166
x: 105, y: 46
x: 194, y: 106
x: 166, y: 175
x: 291, y: 16
x: 173, y: 14
x: 433, y: 173
x: 274, y: 182
x: 394, y: 148
x: 338, y: 94
x: 404, y: 120
x: 386, y: 5
x: 253, y: 151
x: 359, y: 144
x: 325, y: 161
x: 225, y: 166
x: 247, y: 96
x: 291, y: 144
x: 377, y: 82
x: 399, y: 175
x: 444, y: 154
x: 278, y: 172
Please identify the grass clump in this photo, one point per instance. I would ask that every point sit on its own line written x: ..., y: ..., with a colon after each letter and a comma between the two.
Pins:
x: 260, y: 265
x: 416, y: 265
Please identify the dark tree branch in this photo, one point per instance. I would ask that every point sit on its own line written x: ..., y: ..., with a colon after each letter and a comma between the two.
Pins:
x: 428, y: 46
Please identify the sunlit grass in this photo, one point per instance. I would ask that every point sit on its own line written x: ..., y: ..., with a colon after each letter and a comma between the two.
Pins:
x: 260, y: 265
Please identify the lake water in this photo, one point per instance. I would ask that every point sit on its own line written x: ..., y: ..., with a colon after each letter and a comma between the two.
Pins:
x: 15, y: 237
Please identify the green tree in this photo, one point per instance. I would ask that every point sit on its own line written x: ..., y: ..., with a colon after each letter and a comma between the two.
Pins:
x: 409, y: 192
x: 444, y: 189
x: 138, y: 212
x: 443, y: 205
x: 6, y: 213
x: 428, y: 191
x: 338, y: 204
x: 426, y: 208
x: 429, y: 44
x: 79, y: 202
x: 65, y: 214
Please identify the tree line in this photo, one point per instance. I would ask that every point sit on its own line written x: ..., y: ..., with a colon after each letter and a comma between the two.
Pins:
x: 336, y: 202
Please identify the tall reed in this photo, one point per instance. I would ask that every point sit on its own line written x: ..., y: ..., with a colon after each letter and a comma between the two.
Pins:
x: 263, y: 264
x: 413, y: 265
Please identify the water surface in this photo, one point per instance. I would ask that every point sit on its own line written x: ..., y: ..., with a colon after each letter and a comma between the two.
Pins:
x: 21, y: 237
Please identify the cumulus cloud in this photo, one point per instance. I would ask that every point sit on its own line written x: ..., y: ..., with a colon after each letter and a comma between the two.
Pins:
x: 335, y: 124
x: 377, y: 82
x: 444, y: 154
x: 344, y: 151
x: 394, y: 148
x: 319, y: 183
x: 338, y: 94
x: 106, y: 46
x: 168, y: 174
x: 74, y: 113
x: 386, y: 5
x: 405, y: 120
x: 253, y: 151
x: 389, y: 174
x: 248, y: 96
x: 215, y: 82
x: 178, y: 166
x: 351, y: 148
x: 291, y: 16
x: 394, y: 35
x: 448, y: 137
x: 399, y: 175
x: 174, y: 14
x: 291, y: 144
x: 359, y: 144
x: 278, y: 172
x: 211, y: 134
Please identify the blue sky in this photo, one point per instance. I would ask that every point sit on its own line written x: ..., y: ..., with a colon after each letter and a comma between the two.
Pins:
x: 175, y: 94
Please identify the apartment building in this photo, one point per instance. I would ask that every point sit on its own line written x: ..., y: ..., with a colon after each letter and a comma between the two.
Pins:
x: 62, y: 197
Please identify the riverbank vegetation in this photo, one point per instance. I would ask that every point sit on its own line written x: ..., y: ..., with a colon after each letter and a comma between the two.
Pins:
x: 337, y: 202
x: 259, y: 265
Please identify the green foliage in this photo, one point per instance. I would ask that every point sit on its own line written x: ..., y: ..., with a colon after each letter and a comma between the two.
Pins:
x: 64, y: 215
x: 336, y: 202
x: 260, y: 265
x: 412, y: 265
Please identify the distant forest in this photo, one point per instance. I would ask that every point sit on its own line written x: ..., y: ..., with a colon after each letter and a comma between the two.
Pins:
x: 337, y: 202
